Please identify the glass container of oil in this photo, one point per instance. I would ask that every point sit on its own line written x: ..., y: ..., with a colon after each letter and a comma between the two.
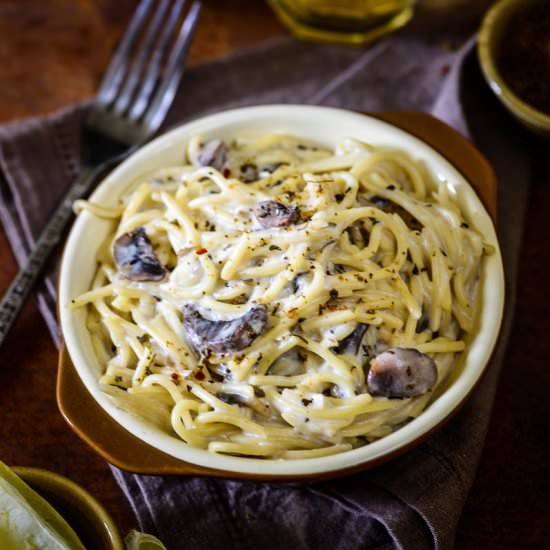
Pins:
x: 344, y: 21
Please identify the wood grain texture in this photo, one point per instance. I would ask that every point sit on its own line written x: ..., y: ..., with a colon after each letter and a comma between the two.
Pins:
x: 52, y: 53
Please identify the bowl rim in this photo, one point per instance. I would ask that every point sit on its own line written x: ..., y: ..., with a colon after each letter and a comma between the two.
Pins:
x: 432, y: 417
x: 39, y: 478
x: 489, y: 66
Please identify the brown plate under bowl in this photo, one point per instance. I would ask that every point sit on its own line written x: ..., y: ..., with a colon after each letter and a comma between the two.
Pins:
x: 124, y: 450
x: 90, y: 521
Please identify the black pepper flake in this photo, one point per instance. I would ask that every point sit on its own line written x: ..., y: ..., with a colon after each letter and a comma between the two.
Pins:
x: 390, y: 187
x: 464, y: 225
x: 415, y: 270
x: 333, y: 293
x: 306, y: 402
x: 339, y: 197
x: 257, y: 362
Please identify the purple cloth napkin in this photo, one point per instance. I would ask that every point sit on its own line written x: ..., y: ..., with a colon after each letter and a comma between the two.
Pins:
x: 413, y: 502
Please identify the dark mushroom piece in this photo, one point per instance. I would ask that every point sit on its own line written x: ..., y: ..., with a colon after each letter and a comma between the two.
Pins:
x: 381, y: 202
x: 391, y: 208
x: 229, y: 398
x: 213, y: 153
x: 423, y: 323
x: 352, y: 343
x: 274, y: 214
x: 358, y: 235
x: 400, y: 373
x: 249, y: 173
x: 270, y: 168
x: 209, y: 336
x: 135, y: 257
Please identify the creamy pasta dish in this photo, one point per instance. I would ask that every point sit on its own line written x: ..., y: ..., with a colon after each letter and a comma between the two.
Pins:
x: 274, y: 298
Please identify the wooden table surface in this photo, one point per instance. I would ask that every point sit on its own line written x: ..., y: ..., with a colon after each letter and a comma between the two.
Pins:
x: 52, y: 53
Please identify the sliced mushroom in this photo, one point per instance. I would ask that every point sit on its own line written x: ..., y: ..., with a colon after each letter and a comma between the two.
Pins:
x: 274, y: 214
x: 213, y: 153
x: 135, y: 257
x: 401, y: 372
x: 223, y: 336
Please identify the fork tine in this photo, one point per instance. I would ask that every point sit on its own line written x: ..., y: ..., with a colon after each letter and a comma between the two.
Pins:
x: 117, y: 68
x: 162, y: 100
x: 153, y: 70
x: 123, y: 100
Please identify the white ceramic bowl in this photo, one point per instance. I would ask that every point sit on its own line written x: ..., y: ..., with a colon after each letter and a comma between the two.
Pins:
x: 325, y: 125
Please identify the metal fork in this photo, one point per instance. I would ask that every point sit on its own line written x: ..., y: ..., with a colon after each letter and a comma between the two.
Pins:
x: 131, y: 103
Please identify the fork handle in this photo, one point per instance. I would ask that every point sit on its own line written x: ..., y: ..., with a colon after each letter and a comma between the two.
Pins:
x: 19, y: 290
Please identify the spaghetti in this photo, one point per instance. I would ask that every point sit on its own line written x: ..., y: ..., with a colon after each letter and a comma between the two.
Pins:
x: 273, y: 298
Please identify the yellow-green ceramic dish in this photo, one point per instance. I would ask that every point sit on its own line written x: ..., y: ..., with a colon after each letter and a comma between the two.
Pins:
x: 81, y: 510
x: 491, y: 34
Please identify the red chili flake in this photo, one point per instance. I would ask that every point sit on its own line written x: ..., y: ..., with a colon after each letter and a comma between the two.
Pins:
x: 226, y: 172
x: 175, y: 376
x: 199, y: 375
x: 201, y: 251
